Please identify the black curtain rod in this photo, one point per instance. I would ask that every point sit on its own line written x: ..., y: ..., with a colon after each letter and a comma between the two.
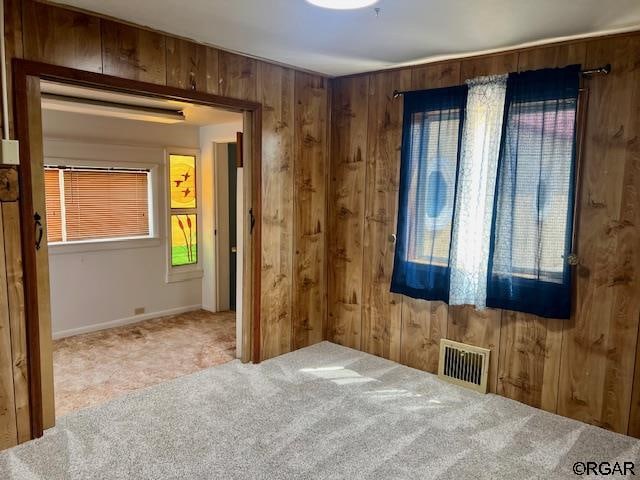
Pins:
x: 604, y: 70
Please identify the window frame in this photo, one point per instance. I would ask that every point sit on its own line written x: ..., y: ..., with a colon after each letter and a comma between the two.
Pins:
x: 195, y: 270
x: 115, y: 243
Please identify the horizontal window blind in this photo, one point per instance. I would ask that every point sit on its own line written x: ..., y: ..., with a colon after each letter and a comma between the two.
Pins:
x: 96, y: 203
x: 52, y: 203
x: 105, y: 204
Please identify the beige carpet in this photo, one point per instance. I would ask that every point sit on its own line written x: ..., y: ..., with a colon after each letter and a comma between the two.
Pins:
x: 323, y: 412
x: 94, y: 368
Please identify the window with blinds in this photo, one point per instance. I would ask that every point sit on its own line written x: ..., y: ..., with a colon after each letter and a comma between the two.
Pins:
x: 96, y: 203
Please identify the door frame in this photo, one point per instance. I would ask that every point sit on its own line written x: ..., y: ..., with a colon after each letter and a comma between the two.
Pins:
x: 24, y: 71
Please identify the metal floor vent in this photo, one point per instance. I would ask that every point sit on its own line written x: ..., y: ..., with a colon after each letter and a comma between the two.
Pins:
x: 464, y: 365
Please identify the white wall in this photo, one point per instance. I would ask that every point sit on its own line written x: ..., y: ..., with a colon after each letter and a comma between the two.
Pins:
x: 95, y: 290
x: 210, y: 135
x: 99, y: 288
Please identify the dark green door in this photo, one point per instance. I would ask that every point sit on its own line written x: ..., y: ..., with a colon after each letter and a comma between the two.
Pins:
x: 233, y: 177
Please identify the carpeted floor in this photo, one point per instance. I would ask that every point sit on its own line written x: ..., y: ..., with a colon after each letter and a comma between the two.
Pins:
x: 322, y: 412
x: 94, y: 368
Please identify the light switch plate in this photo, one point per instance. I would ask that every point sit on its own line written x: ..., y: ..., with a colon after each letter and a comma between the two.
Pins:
x: 9, y: 152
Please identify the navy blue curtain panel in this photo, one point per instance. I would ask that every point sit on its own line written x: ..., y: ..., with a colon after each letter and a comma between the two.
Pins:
x: 432, y: 132
x: 533, y: 209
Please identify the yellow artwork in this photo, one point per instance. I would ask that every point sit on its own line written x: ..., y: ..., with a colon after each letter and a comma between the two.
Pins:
x: 182, y: 174
x: 184, y: 240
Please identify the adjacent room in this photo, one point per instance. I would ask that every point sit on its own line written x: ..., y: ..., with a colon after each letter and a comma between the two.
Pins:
x: 319, y: 239
x: 141, y: 240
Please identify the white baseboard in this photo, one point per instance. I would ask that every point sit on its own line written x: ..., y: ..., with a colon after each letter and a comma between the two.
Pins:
x: 123, y: 321
x: 209, y: 308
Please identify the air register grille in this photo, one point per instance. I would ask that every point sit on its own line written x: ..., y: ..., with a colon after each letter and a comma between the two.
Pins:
x: 464, y: 365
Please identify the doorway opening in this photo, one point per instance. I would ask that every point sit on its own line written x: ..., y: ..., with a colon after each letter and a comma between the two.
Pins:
x: 141, y: 242
x: 118, y: 178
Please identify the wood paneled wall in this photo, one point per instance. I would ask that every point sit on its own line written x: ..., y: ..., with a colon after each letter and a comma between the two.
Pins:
x: 584, y: 368
x: 328, y: 216
x: 294, y: 171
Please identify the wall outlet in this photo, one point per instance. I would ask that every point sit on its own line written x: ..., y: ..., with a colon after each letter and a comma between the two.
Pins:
x: 138, y: 311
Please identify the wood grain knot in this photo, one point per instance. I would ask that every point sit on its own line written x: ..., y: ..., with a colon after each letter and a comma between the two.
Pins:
x: 345, y: 213
x: 9, y: 191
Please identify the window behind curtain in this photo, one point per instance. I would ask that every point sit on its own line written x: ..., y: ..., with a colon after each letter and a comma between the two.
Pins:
x: 432, y: 190
x: 533, y: 215
x: 540, y: 153
x: 430, y: 149
x: 96, y: 204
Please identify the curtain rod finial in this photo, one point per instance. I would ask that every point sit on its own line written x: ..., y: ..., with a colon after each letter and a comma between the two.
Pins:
x: 604, y: 70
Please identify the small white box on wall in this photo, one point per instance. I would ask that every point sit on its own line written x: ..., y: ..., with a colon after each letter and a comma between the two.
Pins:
x: 9, y: 152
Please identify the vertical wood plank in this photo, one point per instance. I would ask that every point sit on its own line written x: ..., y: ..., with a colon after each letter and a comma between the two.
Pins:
x: 552, y: 57
x: 327, y: 195
x: 382, y: 309
x: 62, y: 37
x: 309, y: 285
x: 436, y: 76
x: 346, y: 205
x: 36, y: 150
x: 13, y: 47
x: 252, y: 179
x: 480, y: 328
x: 8, y: 427
x: 188, y: 65
x: 213, y: 71
x: 529, y: 359
x: 599, y: 343
x: 276, y: 90
x: 15, y: 293
x: 135, y: 53
x: 238, y: 76
x: 488, y: 65
x: 423, y: 325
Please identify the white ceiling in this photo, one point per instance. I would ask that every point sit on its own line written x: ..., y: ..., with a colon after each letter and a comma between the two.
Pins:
x: 339, y: 42
x: 196, y: 115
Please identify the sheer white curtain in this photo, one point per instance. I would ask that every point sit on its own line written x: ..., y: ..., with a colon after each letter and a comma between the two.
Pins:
x: 476, y: 190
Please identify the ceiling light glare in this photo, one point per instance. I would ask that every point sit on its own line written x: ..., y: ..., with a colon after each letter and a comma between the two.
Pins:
x: 342, y: 4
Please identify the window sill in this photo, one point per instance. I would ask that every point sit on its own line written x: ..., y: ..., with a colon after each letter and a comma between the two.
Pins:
x: 59, y: 248
x: 183, y: 275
